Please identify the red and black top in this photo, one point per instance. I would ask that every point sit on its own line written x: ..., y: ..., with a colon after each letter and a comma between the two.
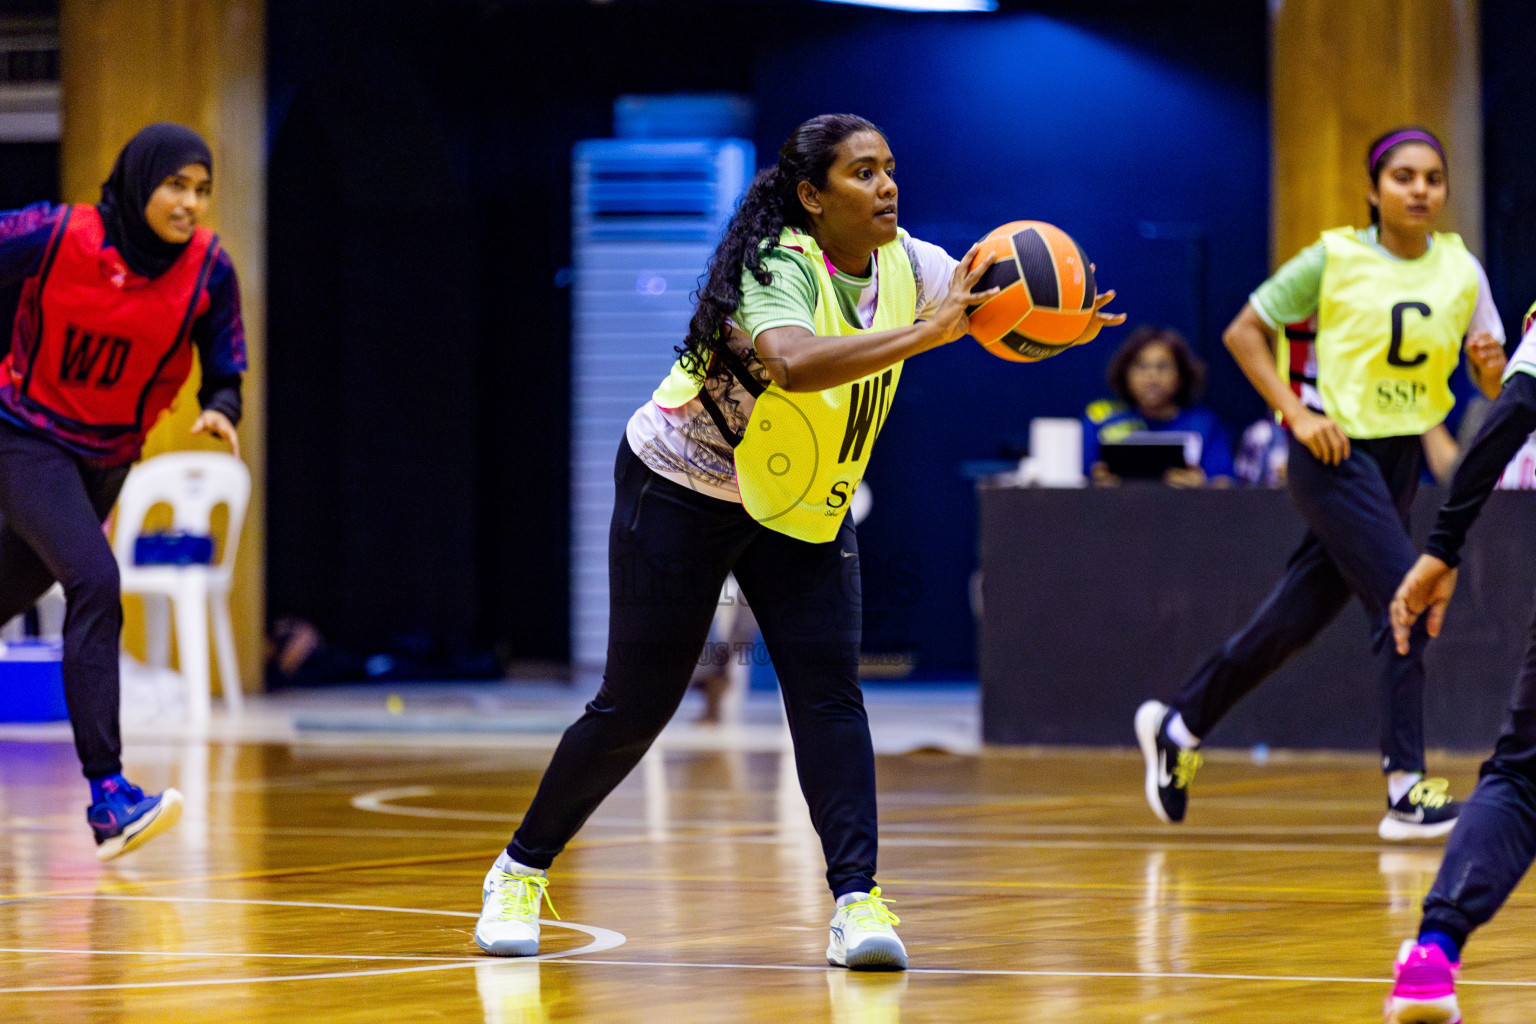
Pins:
x: 99, y: 352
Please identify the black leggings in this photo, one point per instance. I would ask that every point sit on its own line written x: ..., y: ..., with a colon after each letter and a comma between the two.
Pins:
x: 669, y: 550
x: 52, y: 505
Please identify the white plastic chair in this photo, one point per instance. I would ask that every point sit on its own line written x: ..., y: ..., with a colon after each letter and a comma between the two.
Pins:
x: 193, y: 484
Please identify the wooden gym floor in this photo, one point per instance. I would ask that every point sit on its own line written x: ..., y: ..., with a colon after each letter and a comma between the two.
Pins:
x: 335, y: 878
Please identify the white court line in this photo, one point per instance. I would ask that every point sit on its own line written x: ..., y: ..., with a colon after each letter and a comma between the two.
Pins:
x: 378, y: 801
x: 960, y: 972
x: 205, y: 954
x: 257, y: 980
x: 603, y: 939
x: 1119, y: 829
x: 264, y: 903
x: 1172, y: 843
x: 612, y: 940
x: 889, y: 835
x: 890, y: 842
x: 887, y: 842
x: 317, y: 831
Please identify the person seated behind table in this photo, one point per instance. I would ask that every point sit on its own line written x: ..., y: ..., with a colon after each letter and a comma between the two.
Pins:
x: 1156, y: 377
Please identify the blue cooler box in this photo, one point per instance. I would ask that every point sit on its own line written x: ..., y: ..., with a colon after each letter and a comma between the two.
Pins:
x: 32, y: 681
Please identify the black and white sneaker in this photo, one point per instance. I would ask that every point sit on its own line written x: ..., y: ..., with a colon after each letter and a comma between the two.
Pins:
x: 1425, y: 812
x: 1170, y: 767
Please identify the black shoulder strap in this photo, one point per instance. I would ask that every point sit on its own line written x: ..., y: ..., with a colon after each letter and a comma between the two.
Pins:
x: 732, y: 437
x: 739, y: 370
x: 744, y: 377
x: 203, y: 273
x: 53, y: 245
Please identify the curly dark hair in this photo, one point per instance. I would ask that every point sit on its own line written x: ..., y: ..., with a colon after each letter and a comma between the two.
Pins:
x: 1191, y: 368
x: 771, y: 203
x: 1375, y: 161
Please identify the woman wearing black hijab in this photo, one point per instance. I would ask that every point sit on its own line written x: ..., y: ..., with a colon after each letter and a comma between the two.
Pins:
x: 107, y: 304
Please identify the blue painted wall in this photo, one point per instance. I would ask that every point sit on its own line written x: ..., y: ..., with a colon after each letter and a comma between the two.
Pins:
x: 1157, y: 165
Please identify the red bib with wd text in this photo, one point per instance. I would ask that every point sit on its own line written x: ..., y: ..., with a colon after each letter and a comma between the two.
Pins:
x: 111, y: 348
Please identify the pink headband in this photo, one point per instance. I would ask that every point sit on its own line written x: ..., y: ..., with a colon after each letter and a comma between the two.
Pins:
x: 1409, y: 135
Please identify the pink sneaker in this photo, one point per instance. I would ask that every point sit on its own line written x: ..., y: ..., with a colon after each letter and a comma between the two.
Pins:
x: 1424, y: 988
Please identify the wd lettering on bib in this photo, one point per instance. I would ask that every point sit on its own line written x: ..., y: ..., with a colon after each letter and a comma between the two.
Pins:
x: 82, y: 351
x: 867, y: 409
x: 788, y: 479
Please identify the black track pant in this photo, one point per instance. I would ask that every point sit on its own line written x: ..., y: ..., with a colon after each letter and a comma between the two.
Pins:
x: 1357, y: 544
x: 670, y: 549
x: 52, y: 505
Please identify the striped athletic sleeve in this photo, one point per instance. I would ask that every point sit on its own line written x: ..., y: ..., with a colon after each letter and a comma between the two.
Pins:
x: 790, y: 301
x: 1291, y: 293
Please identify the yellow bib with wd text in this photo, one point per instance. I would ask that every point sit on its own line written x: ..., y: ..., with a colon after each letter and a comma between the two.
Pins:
x: 803, y: 453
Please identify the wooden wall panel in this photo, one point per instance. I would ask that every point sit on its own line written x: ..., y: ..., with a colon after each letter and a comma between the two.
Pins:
x: 1344, y: 72
x: 125, y: 64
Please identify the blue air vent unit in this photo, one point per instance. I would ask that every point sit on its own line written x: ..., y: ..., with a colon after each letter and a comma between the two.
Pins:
x: 647, y: 216
x: 680, y: 189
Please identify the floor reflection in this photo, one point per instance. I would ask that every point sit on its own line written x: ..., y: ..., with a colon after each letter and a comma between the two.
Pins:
x: 1163, y: 924
x: 1408, y: 874
x: 866, y: 997
x: 511, y: 992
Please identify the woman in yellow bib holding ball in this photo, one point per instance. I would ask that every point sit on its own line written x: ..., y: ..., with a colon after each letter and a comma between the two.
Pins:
x: 1395, y: 304
x: 745, y: 462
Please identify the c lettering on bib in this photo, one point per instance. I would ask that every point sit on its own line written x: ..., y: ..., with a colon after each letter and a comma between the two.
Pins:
x: 1395, y: 351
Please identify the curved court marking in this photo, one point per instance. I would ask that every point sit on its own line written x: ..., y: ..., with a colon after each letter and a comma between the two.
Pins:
x: 378, y: 801
x: 603, y: 939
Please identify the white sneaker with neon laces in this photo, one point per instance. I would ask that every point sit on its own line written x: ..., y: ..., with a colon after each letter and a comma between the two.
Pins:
x: 864, y: 936
x: 509, y: 913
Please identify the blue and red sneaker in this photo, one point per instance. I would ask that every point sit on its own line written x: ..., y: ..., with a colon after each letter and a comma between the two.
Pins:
x: 125, y: 819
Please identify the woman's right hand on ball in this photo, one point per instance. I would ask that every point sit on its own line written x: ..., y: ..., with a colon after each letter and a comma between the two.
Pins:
x: 951, y: 318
